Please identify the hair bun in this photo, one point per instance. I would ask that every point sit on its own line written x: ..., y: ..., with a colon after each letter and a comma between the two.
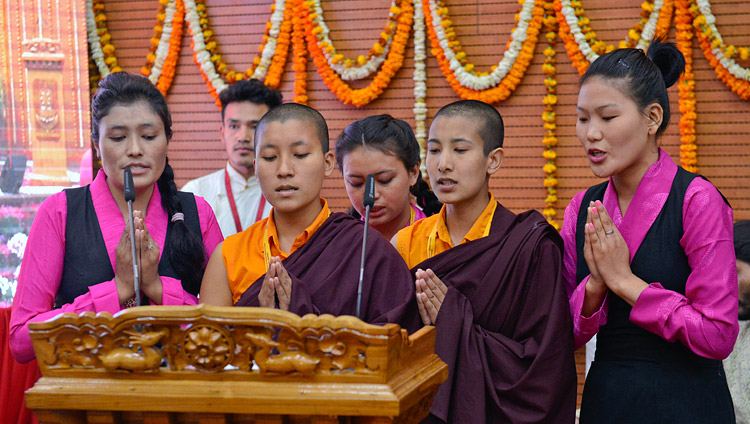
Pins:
x: 668, y: 58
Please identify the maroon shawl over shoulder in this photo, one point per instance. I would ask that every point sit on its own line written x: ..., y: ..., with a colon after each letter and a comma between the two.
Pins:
x: 504, y: 328
x: 325, y: 275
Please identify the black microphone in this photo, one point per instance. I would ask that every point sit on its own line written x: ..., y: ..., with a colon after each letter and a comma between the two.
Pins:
x: 129, y: 191
x: 368, y: 202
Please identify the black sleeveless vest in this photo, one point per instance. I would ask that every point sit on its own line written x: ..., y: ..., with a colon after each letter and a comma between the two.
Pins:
x: 660, y: 258
x: 86, y: 259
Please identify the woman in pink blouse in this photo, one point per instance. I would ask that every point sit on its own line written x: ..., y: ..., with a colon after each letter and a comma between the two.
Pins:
x: 648, y: 255
x: 78, y: 256
x: 385, y: 147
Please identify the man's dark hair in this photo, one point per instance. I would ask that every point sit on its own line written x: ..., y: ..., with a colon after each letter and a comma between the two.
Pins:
x: 250, y: 90
x: 490, y: 122
x: 287, y: 111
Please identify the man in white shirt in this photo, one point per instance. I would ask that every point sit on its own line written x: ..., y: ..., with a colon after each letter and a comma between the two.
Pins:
x: 233, y: 192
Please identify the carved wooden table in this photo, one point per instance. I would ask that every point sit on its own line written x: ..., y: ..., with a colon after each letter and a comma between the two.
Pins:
x: 203, y: 364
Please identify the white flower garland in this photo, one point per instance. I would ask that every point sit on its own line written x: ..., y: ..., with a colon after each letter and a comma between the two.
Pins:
x: 357, y: 71
x: 650, y: 28
x: 475, y: 82
x: 420, y: 84
x: 729, y: 64
x: 572, y: 20
x: 95, y: 46
x: 162, y: 50
x: 269, y: 50
x: 203, y: 57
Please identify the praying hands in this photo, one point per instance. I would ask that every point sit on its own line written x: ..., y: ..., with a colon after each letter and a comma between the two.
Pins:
x: 430, y: 295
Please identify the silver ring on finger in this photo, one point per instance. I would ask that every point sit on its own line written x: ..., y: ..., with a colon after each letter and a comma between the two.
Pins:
x: 150, y: 245
x: 610, y: 232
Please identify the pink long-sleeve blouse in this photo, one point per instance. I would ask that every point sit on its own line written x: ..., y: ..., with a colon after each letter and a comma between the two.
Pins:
x: 42, y: 266
x: 705, y: 318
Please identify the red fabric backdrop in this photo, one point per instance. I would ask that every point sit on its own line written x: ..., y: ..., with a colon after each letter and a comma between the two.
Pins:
x: 15, y: 379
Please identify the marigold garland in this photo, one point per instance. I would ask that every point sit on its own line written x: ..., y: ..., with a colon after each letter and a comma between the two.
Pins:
x: 299, y: 62
x: 420, y: 86
x: 686, y: 87
x: 364, y: 65
x: 161, y: 61
x: 342, y: 90
x: 550, y: 100
x: 719, y: 55
x: 465, y: 72
x: 509, y: 82
x: 580, y: 40
x: 163, y: 53
x: 216, y: 73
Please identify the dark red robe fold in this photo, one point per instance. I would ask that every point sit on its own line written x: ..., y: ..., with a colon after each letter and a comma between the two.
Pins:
x: 504, y: 328
x: 325, y: 275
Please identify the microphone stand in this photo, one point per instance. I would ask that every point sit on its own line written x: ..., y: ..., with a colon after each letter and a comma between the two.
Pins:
x: 368, y: 202
x: 129, y: 191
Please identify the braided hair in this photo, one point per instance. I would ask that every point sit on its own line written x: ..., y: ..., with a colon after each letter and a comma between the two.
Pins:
x: 186, y: 252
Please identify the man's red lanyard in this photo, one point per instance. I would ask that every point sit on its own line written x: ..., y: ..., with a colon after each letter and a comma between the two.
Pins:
x: 233, y: 205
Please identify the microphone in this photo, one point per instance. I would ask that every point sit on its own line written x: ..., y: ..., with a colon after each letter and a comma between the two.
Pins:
x: 368, y: 202
x: 129, y: 191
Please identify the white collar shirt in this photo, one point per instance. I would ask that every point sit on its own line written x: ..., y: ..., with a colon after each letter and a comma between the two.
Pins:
x: 247, y: 196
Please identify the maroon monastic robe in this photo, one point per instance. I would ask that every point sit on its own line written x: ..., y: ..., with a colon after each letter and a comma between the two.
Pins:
x: 504, y: 328
x: 325, y: 275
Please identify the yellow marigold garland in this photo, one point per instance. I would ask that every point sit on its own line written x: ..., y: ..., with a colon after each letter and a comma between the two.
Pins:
x: 686, y: 87
x: 550, y: 100
x: 342, y: 90
x: 169, y: 66
x: 579, y: 59
x: 166, y: 69
x: 105, y: 38
x: 509, y: 83
x: 299, y: 61
x: 710, y: 41
x: 273, y: 77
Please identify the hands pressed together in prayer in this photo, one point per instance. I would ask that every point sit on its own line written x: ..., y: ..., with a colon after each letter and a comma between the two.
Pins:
x: 148, y: 256
x: 430, y: 295
x: 277, y: 281
x: 608, y: 258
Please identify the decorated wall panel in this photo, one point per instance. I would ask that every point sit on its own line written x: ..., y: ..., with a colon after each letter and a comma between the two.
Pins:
x: 483, y: 29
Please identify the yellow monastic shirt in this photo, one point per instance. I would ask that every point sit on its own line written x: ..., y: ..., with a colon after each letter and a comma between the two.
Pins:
x: 429, y: 236
x: 244, y: 253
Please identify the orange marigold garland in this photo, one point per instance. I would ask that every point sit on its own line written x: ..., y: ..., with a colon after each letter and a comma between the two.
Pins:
x: 718, y: 54
x: 299, y: 61
x: 163, y: 53
x: 160, y: 65
x: 581, y: 41
x: 686, y: 87
x: 550, y: 100
x: 508, y: 83
x: 394, y: 61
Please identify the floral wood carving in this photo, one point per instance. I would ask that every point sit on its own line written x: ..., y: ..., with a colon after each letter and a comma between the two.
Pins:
x: 196, y: 339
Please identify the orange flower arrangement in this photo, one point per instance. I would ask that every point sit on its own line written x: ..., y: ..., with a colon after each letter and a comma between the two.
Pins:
x: 509, y: 83
x: 686, y: 87
x: 277, y: 63
x: 175, y: 44
x: 105, y: 38
x: 394, y: 61
x: 580, y: 62
x: 273, y: 77
x: 709, y: 41
x: 550, y: 100
x: 299, y: 62
x: 169, y: 61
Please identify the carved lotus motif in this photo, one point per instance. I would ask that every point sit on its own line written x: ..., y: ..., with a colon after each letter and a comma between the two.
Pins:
x: 207, y: 348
